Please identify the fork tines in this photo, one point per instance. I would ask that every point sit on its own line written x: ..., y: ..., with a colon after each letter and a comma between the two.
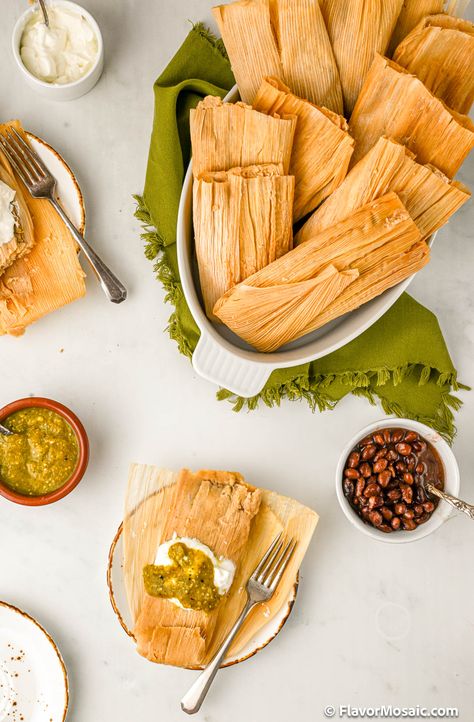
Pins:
x: 27, y: 164
x: 274, y: 562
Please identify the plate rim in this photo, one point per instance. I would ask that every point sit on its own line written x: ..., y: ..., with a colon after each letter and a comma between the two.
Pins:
x: 290, y: 603
x: 62, y: 664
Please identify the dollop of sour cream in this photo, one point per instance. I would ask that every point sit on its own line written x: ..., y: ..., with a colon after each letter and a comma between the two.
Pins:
x: 224, y: 569
x: 7, y: 218
x: 62, y: 53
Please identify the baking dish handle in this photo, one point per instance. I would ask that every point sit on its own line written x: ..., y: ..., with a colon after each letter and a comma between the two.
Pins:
x: 226, y: 369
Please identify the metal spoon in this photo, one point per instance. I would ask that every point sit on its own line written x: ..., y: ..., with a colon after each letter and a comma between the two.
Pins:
x: 45, y: 13
x: 5, y: 431
x: 453, y: 500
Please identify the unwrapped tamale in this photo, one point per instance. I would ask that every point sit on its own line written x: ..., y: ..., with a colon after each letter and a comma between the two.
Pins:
x: 20, y: 225
x: 242, y: 222
x: 395, y: 103
x: 357, y: 30
x: 286, y: 39
x: 232, y: 135
x: 380, y: 233
x: 322, y: 146
x: 429, y: 197
x: 440, y: 52
x: 410, y: 15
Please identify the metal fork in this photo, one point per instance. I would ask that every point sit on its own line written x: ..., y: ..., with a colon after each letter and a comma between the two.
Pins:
x: 41, y: 184
x: 260, y: 588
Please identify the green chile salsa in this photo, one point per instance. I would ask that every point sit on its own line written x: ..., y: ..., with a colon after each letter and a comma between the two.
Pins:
x: 384, y: 479
x: 190, y: 579
x: 41, y: 455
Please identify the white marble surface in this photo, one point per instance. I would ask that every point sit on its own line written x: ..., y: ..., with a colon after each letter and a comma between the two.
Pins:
x: 373, y: 623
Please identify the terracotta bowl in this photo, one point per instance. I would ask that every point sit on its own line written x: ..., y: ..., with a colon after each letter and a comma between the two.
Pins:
x: 83, y: 444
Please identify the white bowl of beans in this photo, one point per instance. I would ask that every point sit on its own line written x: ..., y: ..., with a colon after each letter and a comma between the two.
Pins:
x: 380, y: 480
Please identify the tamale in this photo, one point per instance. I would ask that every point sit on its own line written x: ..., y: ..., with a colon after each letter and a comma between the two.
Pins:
x: 22, y: 239
x: 429, y: 197
x: 440, y: 52
x: 410, y: 15
x: 242, y: 222
x: 46, y: 279
x: 322, y: 146
x: 396, y: 104
x: 232, y: 135
x: 357, y: 30
x: 165, y: 633
x: 286, y: 39
x: 344, y: 248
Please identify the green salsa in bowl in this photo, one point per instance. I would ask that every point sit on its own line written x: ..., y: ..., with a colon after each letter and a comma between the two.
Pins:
x: 47, y: 454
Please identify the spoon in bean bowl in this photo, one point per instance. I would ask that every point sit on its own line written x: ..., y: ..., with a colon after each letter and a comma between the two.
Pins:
x: 458, y: 504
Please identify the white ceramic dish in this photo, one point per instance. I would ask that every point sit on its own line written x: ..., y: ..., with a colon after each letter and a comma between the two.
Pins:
x: 118, y: 600
x: 33, y: 679
x: 222, y: 357
x: 55, y: 91
x: 451, y: 483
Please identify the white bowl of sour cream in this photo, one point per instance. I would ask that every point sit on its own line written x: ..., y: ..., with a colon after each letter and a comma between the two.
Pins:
x: 64, y: 61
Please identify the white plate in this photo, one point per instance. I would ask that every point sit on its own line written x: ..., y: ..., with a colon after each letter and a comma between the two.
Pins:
x: 67, y: 190
x: 33, y: 678
x: 224, y: 358
x: 118, y: 599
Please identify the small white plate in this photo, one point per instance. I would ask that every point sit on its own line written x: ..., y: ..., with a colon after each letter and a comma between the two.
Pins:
x: 33, y: 679
x: 118, y: 599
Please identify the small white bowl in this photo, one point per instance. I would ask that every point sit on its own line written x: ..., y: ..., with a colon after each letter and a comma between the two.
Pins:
x: 56, y: 91
x: 451, y: 481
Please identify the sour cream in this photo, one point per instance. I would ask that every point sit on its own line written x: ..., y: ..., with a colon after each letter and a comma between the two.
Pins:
x: 224, y: 569
x: 62, y: 53
x: 7, y: 218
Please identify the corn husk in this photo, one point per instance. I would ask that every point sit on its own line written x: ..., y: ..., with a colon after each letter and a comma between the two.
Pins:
x: 381, y: 227
x: 410, y: 15
x: 46, y: 279
x: 232, y: 135
x: 319, y: 167
x: 396, y: 104
x: 286, y: 39
x: 233, y: 519
x: 242, y: 222
x: 440, y: 52
x: 357, y: 30
x: 23, y: 237
x: 429, y: 196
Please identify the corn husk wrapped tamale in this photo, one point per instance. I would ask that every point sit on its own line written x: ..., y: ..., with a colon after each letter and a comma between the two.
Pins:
x: 233, y: 135
x: 357, y: 30
x: 242, y: 222
x: 383, y: 225
x: 410, y: 15
x: 22, y: 240
x: 440, y: 52
x: 233, y: 519
x: 286, y: 39
x: 322, y: 146
x: 396, y: 104
x: 429, y: 196
x: 48, y: 277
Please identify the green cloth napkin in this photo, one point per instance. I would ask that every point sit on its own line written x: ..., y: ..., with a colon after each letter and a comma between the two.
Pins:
x: 402, y: 360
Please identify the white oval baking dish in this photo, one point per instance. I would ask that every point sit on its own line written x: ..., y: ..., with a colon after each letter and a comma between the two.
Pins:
x: 222, y: 357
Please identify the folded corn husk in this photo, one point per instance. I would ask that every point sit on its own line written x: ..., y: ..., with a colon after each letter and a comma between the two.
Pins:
x: 396, y: 104
x: 322, y: 146
x: 286, y: 39
x: 440, y: 52
x: 235, y: 520
x: 242, y: 222
x: 23, y: 237
x: 357, y: 30
x: 231, y: 135
x: 410, y: 15
x: 46, y: 279
x: 382, y: 227
x: 429, y: 197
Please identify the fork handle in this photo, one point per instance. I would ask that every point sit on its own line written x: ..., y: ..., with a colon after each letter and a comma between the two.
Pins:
x: 192, y: 700
x: 112, y: 287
